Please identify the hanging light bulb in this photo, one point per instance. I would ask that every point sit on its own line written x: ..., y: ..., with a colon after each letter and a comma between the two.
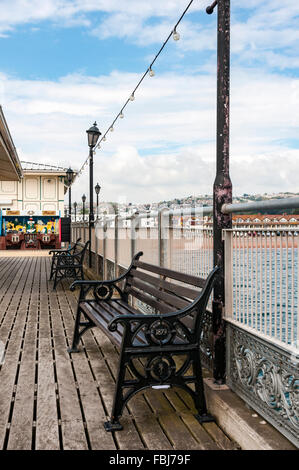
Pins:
x: 151, y: 72
x: 121, y: 115
x: 111, y: 129
x: 176, y: 35
x: 104, y: 138
x: 132, y: 97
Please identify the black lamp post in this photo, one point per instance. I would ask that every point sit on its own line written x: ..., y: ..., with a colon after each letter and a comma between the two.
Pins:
x: 93, y: 135
x: 83, y: 201
x: 75, y: 210
x: 97, y: 190
x: 69, y: 176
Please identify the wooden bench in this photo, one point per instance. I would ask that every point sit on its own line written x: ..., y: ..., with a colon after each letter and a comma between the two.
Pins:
x: 70, y: 265
x: 157, y: 348
x: 71, y: 250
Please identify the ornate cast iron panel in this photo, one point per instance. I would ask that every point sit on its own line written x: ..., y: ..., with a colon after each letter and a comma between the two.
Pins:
x: 206, y: 341
x: 267, y: 378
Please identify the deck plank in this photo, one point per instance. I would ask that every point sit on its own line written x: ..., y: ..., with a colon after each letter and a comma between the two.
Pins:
x: 47, y: 427
x: 22, y: 421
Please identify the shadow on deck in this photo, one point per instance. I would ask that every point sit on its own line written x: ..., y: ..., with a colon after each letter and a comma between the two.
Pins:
x: 50, y: 400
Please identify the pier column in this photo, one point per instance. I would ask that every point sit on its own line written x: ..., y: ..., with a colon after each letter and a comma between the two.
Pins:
x: 222, y: 189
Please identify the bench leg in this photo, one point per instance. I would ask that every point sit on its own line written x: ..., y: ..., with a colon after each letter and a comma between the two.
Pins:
x: 77, y: 333
x: 55, y: 280
x: 199, y: 397
x: 118, y: 402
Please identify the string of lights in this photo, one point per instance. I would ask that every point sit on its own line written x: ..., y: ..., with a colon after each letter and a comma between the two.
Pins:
x: 149, y: 71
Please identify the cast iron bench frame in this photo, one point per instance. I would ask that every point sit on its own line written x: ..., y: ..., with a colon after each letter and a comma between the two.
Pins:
x: 148, y: 340
x: 62, y: 252
x: 70, y: 265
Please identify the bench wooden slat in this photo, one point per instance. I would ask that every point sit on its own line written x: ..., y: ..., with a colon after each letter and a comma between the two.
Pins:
x: 108, y: 311
x: 169, y: 286
x: 187, y: 278
x: 100, y: 321
x: 170, y: 299
x: 160, y: 306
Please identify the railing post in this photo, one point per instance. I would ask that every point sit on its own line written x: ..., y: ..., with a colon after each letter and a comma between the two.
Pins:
x: 96, y: 250
x: 104, y: 247
x: 222, y: 190
x: 170, y: 242
x: 134, y: 228
x: 116, y: 246
x: 228, y: 264
x: 162, y: 236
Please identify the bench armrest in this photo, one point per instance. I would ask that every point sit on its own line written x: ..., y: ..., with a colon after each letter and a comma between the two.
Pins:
x: 107, y: 282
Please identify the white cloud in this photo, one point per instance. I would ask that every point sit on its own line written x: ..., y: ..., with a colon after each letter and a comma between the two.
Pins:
x: 19, y: 12
x: 165, y: 146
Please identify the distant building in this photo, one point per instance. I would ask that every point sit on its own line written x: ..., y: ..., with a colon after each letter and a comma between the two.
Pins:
x: 260, y: 221
x: 282, y: 221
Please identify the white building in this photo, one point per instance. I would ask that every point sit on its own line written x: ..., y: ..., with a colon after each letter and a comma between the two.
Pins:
x: 42, y: 188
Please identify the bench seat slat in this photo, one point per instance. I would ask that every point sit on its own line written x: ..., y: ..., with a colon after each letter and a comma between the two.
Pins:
x: 102, y: 313
x: 187, y: 278
x: 100, y: 321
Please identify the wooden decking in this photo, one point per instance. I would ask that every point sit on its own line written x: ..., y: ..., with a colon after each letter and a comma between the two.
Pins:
x: 51, y: 400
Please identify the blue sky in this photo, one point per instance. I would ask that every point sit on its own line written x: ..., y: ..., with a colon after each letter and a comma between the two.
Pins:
x: 66, y: 63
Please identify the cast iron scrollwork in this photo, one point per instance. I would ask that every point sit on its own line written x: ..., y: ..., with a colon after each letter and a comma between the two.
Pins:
x: 160, y: 332
x: 105, y: 291
x: 264, y: 375
x: 161, y: 368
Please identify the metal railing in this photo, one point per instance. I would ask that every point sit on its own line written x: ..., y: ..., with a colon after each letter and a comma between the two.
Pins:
x: 167, y: 238
x: 261, y: 283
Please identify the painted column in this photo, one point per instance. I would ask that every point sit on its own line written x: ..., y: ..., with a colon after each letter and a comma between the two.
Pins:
x: 222, y: 190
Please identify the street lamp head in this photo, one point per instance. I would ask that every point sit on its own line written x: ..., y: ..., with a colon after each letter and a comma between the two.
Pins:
x: 97, y: 188
x: 69, y: 176
x: 75, y: 205
x: 83, y: 198
x: 93, y: 134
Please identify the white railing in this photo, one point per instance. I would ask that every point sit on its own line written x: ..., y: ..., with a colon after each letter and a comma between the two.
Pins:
x: 261, y: 267
x: 261, y: 283
x: 166, y: 239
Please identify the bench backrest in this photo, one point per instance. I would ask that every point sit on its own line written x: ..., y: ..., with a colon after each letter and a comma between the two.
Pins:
x: 81, y: 251
x: 76, y: 247
x: 163, y: 289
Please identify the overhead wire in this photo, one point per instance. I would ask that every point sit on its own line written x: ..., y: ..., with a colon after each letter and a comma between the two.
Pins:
x: 149, y: 70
